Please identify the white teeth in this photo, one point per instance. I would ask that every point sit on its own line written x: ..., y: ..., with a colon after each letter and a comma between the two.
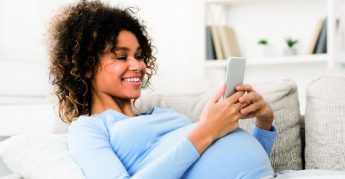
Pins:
x: 132, y: 79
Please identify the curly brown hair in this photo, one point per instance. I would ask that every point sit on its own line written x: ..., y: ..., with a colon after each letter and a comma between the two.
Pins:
x: 78, y: 36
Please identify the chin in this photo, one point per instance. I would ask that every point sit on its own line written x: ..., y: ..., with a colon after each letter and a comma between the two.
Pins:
x: 135, y: 96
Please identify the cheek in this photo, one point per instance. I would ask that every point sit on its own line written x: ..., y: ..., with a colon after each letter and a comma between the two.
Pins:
x: 143, y: 67
x: 116, y: 70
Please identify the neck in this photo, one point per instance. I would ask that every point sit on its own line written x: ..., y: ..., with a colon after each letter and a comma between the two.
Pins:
x: 101, y: 103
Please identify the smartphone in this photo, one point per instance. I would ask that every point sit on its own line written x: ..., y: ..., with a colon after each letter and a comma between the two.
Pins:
x: 234, y: 74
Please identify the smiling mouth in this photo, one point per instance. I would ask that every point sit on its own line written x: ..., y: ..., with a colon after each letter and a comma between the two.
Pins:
x: 133, y: 79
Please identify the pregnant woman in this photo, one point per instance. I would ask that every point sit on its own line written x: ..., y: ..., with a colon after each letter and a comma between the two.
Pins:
x: 101, y: 56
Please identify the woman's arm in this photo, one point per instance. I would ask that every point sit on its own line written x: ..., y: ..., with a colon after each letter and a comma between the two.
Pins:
x: 90, y: 147
x: 265, y: 137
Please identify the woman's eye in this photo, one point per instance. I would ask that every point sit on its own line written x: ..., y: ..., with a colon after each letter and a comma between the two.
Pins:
x: 121, y: 57
x: 139, y: 57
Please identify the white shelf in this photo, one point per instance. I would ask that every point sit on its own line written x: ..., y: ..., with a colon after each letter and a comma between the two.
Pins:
x: 231, y: 12
x: 301, y: 59
x: 234, y: 2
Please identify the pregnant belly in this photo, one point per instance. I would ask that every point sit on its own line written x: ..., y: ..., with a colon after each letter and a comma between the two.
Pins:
x: 236, y: 155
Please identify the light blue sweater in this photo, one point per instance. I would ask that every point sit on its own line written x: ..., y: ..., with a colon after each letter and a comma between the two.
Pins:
x: 154, y: 145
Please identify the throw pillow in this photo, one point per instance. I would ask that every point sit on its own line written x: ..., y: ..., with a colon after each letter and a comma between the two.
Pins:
x: 325, y: 124
x: 40, y: 157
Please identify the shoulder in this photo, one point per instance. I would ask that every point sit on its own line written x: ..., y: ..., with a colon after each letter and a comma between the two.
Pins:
x: 86, y: 131
x: 88, y: 124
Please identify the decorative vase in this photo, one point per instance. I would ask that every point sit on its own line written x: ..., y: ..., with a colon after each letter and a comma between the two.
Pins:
x: 265, y: 51
x: 290, y: 51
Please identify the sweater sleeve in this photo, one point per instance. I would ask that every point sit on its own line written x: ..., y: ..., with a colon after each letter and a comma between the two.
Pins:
x: 90, y: 147
x: 265, y: 137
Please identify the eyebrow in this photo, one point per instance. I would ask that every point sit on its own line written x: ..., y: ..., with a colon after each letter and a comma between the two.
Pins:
x: 126, y: 49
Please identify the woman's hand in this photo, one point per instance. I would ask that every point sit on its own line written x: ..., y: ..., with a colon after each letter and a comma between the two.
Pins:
x: 256, y: 107
x: 218, y: 118
x: 222, y: 115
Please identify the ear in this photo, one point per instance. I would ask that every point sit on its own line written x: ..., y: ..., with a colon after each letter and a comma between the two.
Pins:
x: 88, y: 74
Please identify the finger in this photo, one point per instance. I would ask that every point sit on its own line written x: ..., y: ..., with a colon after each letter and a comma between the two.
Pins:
x: 236, y: 111
x: 251, y: 97
x: 252, y: 108
x: 219, y: 94
x: 235, y: 97
x: 247, y: 116
x: 239, y: 106
x: 244, y: 87
x: 243, y: 105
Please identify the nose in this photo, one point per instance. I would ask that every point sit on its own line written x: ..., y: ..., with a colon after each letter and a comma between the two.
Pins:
x: 134, y: 64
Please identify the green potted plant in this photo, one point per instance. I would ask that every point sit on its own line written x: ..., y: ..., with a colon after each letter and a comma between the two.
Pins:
x: 263, y: 42
x: 291, y: 44
x: 264, y: 49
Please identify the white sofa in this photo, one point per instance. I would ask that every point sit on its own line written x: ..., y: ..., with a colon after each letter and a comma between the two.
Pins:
x: 313, y: 141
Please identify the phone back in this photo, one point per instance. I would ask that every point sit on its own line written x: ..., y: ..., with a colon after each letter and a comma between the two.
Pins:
x: 234, y: 74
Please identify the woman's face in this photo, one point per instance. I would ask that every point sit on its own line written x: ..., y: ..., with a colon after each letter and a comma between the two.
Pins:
x: 120, y: 73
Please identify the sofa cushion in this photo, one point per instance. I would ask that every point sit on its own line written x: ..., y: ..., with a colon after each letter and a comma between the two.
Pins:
x: 325, y: 124
x: 39, y: 156
x: 281, y: 95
